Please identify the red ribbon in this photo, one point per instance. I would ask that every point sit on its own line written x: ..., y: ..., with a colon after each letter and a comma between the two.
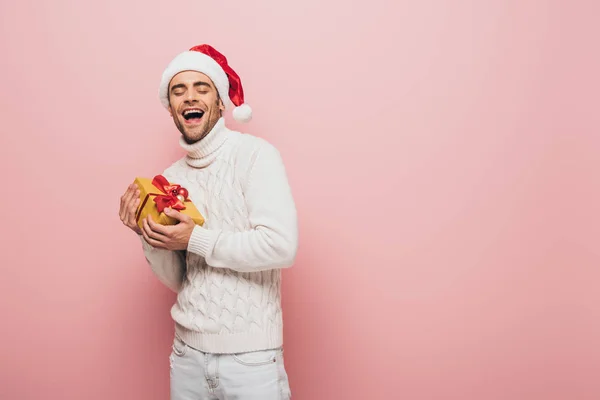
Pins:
x: 169, y: 198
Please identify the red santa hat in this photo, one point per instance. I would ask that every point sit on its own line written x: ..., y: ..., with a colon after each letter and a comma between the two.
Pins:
x: 207, y: 60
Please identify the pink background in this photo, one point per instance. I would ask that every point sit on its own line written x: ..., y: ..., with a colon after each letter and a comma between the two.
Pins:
x: 444, y: 157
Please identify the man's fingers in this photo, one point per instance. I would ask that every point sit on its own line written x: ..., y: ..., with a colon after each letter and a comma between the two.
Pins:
x: 131, y: 207
x: 152, y: 233
x: 129, y: 203
x: 124, y: 202
x: 181, y: 217
x: 131, y: 220
x: 152, y: 242
x: 122, y: 206
x: 125, y: 195
x: 156, y: 227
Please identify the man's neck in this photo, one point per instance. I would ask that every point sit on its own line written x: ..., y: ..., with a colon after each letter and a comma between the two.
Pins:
x: 202, y: 151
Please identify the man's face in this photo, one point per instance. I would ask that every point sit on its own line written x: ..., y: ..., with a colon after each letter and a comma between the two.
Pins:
x: 195, y: 105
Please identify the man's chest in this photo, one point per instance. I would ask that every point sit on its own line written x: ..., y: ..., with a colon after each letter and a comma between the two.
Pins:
x: 218, y: 195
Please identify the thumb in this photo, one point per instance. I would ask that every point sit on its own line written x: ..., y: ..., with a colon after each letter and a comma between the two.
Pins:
x: 176, y: 214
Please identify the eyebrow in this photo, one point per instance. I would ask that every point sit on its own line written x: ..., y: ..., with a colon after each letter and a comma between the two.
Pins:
x: 196, y: 84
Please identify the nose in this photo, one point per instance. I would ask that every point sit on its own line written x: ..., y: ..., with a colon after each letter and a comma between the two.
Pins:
x: 191, y: 96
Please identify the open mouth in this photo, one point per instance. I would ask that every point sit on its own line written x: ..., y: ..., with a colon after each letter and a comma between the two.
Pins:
x: 193, y: 115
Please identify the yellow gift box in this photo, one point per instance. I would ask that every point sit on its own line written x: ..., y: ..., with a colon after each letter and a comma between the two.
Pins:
x: 158, y: 193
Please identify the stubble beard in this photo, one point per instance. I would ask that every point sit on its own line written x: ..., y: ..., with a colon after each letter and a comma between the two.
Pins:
x: 205, y: 127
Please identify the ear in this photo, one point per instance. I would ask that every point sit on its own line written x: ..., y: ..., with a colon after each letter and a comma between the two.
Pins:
x: 221, y: 105
x: 170, y: 108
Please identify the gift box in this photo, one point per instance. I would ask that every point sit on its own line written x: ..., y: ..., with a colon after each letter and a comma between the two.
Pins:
x: 158, y: 194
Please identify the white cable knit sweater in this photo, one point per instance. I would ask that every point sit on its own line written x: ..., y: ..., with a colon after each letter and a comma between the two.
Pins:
x: 228, y: 281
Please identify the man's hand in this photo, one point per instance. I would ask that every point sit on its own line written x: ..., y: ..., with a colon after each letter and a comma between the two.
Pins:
x: 171, y: 237
x: 129, y: 204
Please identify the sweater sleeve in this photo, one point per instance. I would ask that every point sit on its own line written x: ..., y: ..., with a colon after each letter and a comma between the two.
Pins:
x: 167, y: 265
x: 272, y: 240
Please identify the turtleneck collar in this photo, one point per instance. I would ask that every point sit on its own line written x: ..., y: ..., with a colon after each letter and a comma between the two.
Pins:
x: 203, y: 152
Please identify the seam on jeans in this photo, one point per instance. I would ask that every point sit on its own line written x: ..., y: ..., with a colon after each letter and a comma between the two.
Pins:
x: 217, y: 371
x: 212, y: 383
x: 206, y: 374
x: 254, y: 364
x: 284, y: 392
x: 178, y: 352
x: 280, y: 378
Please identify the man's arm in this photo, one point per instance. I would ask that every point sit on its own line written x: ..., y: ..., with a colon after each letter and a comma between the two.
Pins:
x: 167, y: 265
x: 273, y: 239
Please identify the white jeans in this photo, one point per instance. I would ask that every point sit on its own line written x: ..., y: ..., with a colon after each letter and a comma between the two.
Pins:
x: 259, y: 375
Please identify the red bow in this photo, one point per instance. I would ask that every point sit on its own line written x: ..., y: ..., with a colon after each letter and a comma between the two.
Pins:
x: 172, y: 197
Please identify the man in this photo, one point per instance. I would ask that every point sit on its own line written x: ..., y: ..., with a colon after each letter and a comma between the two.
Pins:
x: 226, y: 273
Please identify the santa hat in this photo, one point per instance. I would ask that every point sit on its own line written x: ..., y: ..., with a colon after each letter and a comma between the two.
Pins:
x: 207, y: 60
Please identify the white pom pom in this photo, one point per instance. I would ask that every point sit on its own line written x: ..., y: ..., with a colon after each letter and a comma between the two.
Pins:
x: 242, y: 113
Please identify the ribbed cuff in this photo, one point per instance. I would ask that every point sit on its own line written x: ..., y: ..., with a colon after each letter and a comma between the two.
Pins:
x: 202, y: 240
x: 227, y: 342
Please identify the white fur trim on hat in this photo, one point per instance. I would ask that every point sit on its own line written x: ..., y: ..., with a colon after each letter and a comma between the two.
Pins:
x: 242, y: 113
x: 195, y: 61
